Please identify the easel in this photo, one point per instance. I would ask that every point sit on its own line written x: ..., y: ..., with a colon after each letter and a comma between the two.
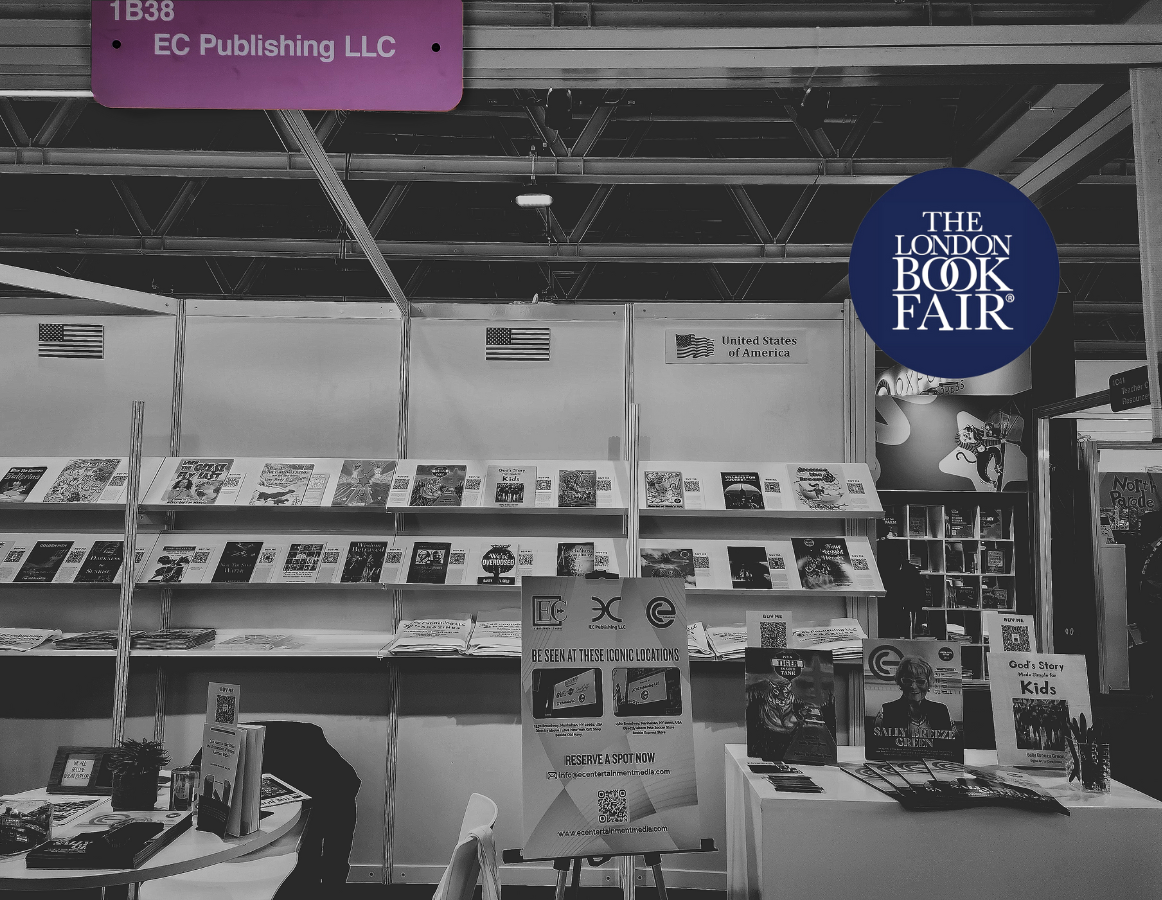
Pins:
x: 562, y: 865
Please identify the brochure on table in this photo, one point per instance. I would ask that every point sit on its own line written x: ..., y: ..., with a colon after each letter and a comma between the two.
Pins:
x: 608, y: 741
x: 821, y: 489
x: 64, y: 480
x: 63, y: 558
x: 825, y: 565
x: 286, y: 482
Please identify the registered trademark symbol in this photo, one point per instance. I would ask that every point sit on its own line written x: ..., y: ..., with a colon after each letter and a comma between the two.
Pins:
x: 1009, y: 298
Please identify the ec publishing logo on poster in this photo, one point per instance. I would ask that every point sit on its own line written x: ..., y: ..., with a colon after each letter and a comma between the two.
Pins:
x: 660, y: 612
x: 954, y: 273
x: 548, y: 612
x: 603, y: 609
x: 883, y: 661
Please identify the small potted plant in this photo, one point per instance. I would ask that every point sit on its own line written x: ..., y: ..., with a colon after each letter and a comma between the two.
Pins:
x: 135, y: 766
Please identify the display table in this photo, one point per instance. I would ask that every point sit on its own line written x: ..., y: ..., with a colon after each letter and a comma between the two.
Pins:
x: 190, y: 850
x: 852, y: 840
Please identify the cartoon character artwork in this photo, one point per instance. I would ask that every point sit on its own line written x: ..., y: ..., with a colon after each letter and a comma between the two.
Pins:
x: 987, y: 453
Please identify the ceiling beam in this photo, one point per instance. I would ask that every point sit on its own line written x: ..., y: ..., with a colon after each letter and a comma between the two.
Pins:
x: 60, y: 121
x: 387, y: 208
x: 596, y: 124
x: 181, y: 204
x: 1037, y: 115
x: 64, y: 286
x: 12, y: 123
x: 750, y: 212
x: 121, y: 186
x: 516, y: 251
x: 1078, y: 154
x: 536, y: 114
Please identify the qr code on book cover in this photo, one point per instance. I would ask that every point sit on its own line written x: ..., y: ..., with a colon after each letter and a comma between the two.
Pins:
x: 201, y: 557
x: 524, y: 558
x: 1015, y: 639
x: 75, y: 556
x: 859, y: 564
x: 225, y: 713
x: 612, y: 808
x: 855, y: 487
x: 457, y: 557
x: 773, y: 634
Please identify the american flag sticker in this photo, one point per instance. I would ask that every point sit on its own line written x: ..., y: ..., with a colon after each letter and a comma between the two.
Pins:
x: 692, y: 346
x: 526, y: 343
x: 67, y: 341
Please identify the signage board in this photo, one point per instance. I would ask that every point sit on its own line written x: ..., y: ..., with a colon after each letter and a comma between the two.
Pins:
x: 293, y: 54
x: 760, y: 344
x: 1129, y: 390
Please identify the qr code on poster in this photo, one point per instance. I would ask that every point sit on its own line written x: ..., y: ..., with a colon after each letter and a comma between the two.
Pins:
x: 612, y: 808
x: 225, y: 713
x: 1015, y: 639
x: 859, y: 564
x: 773, y: 634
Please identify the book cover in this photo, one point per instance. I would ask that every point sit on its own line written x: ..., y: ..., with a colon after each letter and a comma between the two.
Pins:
x: 498, y: 561
x: 175, y: 561
x: 82, y: 481
x: 992, y: 524
x: 18, y: 483
x: 1034, y: 695
x: 246, y: 809
x: 218, y: 777
x: 913, y: 708
x: 282, y: 484
x: 994, y: 594
x: 302, y: 562
x: 790, y: 706
x: 820, y: 487
x: 664, y: 490
x: 364, y: 562
x: 42, y: 562
x: 237, y: 562
x: 658, y: 563
x: 429, y: 563
x: 917, y: 521
x: 577, y: 488
x: 958, y: 522
x: 197, y: 482
x: 24, y: 824
x: 364, y: 482
x: 102, y: 564
x: 823, y: 563
x: 89, y: 849
x: 575, y: 559
x: 276, y: 792
x: 438, y: 485
x: 749, y: 568
x: 741, y: 490
x: 510, y: 487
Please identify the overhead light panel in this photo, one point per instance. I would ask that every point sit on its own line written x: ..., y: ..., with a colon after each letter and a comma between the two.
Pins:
x: 534, y: 200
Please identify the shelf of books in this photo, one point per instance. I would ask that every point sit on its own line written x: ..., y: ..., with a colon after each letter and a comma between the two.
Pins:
x: 55, y: 558
x: 63, y: 482
x: 965, y: 552
x: 733, y: 489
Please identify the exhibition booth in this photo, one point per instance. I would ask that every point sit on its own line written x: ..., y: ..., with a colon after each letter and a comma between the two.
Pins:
x: 700, y: 586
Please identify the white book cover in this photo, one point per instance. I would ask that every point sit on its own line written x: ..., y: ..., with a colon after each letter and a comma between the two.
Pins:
x: 1034, y: 696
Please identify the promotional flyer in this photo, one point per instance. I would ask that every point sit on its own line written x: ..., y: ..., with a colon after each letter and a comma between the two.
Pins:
x: 608, y: 738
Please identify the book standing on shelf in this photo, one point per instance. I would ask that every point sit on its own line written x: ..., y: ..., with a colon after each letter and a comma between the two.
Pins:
x: 913, y: 706
x: 19, y: 481
x: 679, y: 563
x: 83, y: 481
x: 823, y: 563
x: 821, y: 487
x: 790, y: 705
x: 510, y: 487
x: 577, y: 488
x: 575, y: 559
x: 197, y: 482
x: 741, y: 490
x: 664, y: 490
x: 283, y: 484
x: 437, y: 485
x: 364, y: 482
x: 237, y: 563
x: 364, y: 562
x: 749, y: 568
x: 103, y: 563
x: 429, y: 563
x: 1034, y: 695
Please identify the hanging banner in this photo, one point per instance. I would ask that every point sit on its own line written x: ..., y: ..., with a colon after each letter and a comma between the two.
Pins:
x: 757, y: 344
x: 608, y: 753
x: 295, y: 54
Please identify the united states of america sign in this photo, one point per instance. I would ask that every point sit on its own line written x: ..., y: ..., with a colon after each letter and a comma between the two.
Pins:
x: 742, y: 345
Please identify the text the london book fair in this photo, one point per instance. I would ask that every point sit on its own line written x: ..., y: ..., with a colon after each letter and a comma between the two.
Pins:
x: 250, y: 54
x: 954, y: 273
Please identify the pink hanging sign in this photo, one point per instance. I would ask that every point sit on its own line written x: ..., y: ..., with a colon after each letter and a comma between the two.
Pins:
x: 403, y: 55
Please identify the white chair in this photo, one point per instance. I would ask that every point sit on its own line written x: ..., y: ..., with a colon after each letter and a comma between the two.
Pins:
x: 474, y: 857
x: 255, y: 876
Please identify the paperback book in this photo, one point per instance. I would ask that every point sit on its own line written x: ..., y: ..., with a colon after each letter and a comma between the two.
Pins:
x: 913, y: 706
x: 42, y: 562
x: 429, y: 563
x: 510, y: 487
x: 742, y: 490
x: 790, y: 705
x: 823, y: 563
x: 749, y: 568
x: 237, y: 562
x: 197, y: 481
x: 364, y: 482
x: 123, y: 845
x: 821, y: 487
x: 575, y: 559
x: 664, y: 490
x: 438, y: 485
x: 675, y: 563
x: 364, y: 562
x: 282, y: 484
x: 499, y: 561
x: 18, y: 483
x: 1034, y: 695
x: 103, y: 563
x: 82, y: 481
x: 577, y: 488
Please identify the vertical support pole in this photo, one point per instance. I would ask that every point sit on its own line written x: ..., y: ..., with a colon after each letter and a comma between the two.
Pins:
x: 129, y: 570
x: 629, y: 443
x: 1043, y: 546
x: 393, y: 673
x: 1146, y: 107
x: 625, y: 872
x: 161, y: 679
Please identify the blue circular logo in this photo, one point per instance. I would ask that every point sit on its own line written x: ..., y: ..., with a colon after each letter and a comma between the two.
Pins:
x: 954, y: 273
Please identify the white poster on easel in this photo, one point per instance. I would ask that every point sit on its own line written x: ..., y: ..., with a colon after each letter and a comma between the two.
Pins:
x: 608, y: 750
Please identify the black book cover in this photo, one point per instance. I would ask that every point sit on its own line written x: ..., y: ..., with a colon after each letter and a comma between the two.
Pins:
x: 102, y: 563
x: 577, y: 488
x: 575, y: 559
x: 657, y: 563
x: 18, y: 483
x: 429, y: 563
x: 497, y: 561
x: 42, y: 562
x: 824, y: 563
x: 364, y: 562
x: 749, y: 567
x: 237, y: 563
x: 125, y: 845
x: 741, y: 490
x: 790, y: 705
x: 438, y: 485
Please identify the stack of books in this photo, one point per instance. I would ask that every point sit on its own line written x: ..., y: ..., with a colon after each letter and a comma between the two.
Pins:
x: 696, y: 642
x: 94, y: 640
x: 495, y: 639
x: 727, y: 641
x: 174, y: 639
x: 432, y: 636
